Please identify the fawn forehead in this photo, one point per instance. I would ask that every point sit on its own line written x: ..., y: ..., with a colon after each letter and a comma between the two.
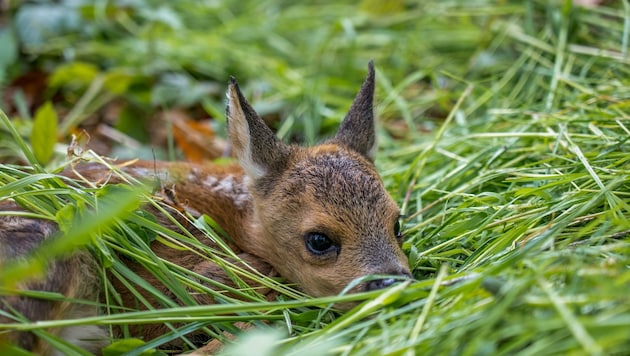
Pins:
x: 345, y: 184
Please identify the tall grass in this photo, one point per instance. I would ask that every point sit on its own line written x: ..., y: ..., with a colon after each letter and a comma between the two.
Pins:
x: 503, y: 134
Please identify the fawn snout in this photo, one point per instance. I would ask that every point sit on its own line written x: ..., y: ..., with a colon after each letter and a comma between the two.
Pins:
x: 392, y: 266
x: 383, y: 282
x: 395, y: 275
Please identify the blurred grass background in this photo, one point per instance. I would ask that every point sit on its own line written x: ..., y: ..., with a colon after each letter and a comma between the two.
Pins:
x: 503, y: 130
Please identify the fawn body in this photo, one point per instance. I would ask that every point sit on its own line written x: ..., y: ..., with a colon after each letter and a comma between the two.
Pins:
x: 319, y: 217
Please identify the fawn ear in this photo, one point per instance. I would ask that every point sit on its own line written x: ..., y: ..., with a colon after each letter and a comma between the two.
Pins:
x: 357, y: 129
x: 257, y: 148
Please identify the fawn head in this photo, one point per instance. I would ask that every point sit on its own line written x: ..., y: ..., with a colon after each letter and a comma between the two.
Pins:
x: 324, y: 213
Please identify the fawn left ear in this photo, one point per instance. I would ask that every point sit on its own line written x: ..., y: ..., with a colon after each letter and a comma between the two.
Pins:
x: 357, y: 129
x: 258, y: 149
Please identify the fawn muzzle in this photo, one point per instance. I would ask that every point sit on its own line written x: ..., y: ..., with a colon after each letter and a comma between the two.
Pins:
x: 387, y: 282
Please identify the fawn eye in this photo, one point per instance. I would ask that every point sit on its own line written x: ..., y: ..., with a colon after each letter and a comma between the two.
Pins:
x: 319, y: 244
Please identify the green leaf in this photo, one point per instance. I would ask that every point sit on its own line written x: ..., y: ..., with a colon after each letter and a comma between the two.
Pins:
x: 9, y: 52
x: 36, y: 23
x: 118, y: 81
x: 123, y: 346
x: 18, y: 140
x: 77, y: 74
x: 114, y: 202
x: 20, y: 184
x: 69, y: 215
x: 9, y: 349
x: 147, y: 235
x: 44, y: 133
x: 382, y: 7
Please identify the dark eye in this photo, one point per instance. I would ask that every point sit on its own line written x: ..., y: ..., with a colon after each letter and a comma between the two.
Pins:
x: 319, y: 243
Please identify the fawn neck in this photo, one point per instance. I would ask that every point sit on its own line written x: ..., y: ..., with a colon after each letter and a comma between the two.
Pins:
x: 220, y: 192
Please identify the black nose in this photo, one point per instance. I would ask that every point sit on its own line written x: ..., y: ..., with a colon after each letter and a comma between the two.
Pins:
x: 380, y: 284
x: 385, y: 282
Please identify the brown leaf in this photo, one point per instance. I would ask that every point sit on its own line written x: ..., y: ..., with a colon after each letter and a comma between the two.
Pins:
x: 195, y: 138
x: 32, y: 85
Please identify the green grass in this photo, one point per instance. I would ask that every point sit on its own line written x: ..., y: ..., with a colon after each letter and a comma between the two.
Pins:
x: 503, y: 133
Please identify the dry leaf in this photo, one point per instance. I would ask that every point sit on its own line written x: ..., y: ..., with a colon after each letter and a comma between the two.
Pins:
x: 195, y: 138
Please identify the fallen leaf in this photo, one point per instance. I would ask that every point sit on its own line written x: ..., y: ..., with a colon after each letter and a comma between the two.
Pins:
x: 195, y: 139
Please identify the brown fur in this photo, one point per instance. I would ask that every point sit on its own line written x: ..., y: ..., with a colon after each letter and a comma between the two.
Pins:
x: 73, y: 276
x: 271, y: 208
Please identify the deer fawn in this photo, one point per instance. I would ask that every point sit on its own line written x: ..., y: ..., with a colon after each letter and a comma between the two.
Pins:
x: 320, y: 217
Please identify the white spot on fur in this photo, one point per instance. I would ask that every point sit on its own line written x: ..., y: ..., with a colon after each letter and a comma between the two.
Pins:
x: 234, y: 188
x: 231, y: 186
x: 210, y: 181
x: 89, y: 337
x: 226, y: 184
x: 142, y: 172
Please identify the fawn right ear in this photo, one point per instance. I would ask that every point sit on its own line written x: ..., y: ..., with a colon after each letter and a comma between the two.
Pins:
x: 357, y: 129
x: 258, y: 149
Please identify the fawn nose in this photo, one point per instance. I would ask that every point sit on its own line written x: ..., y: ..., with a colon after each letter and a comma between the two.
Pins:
x: 386, y: 282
